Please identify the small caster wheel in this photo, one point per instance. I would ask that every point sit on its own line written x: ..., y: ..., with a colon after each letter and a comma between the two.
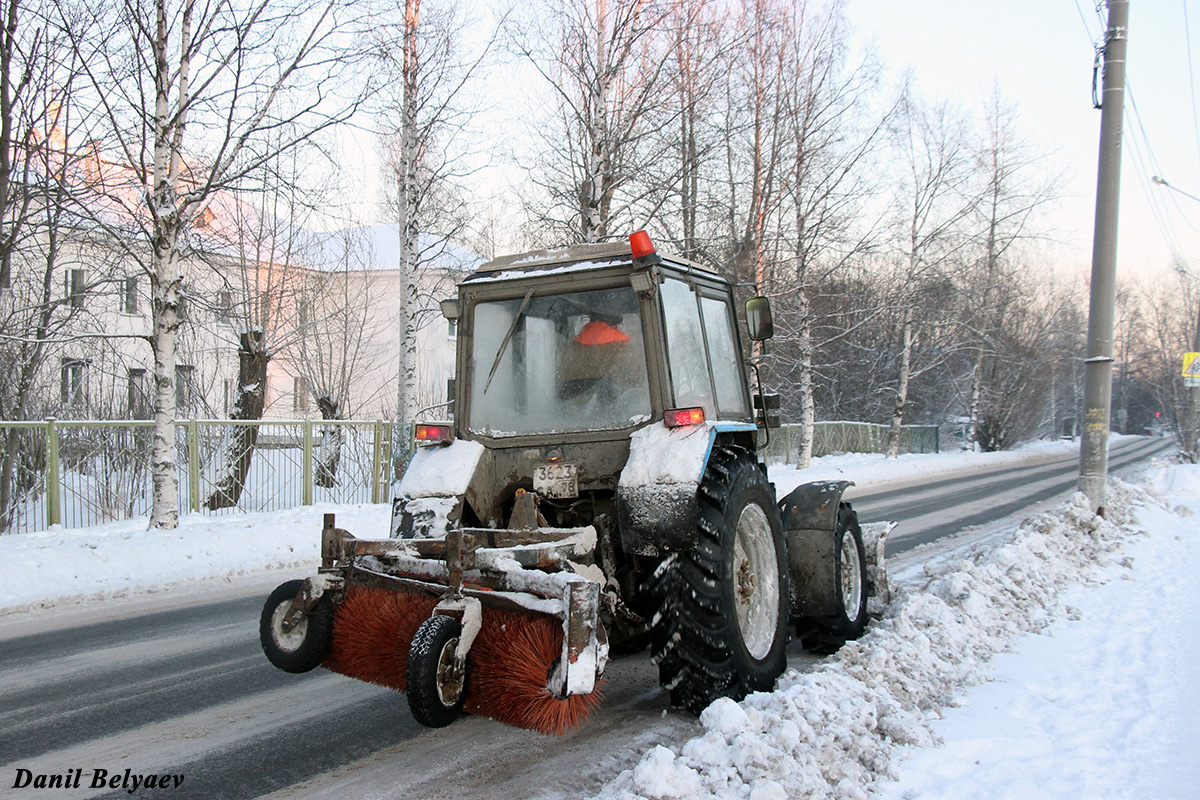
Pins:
x: 435, y: 682
x: 305, y: 643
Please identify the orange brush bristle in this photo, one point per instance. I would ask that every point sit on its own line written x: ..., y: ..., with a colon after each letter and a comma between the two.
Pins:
x: 507, y: 671
x: 372, y: 631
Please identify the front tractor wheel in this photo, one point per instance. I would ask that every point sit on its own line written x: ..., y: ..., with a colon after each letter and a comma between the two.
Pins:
x: 435, y: 680
x: 723, y: 607
x: 826, y: 635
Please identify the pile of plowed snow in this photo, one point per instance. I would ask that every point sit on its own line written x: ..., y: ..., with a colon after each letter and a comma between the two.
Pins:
x: 832, y: 732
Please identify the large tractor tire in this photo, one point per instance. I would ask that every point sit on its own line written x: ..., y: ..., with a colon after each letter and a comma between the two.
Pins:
x: 723, y: 607
x: 825, y: 635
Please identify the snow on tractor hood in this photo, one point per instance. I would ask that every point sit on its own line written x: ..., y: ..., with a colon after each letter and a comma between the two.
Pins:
x: 441, y: 471
x: 659, y: 455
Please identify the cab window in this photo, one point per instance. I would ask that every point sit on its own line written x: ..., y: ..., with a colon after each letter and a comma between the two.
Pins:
x: 724, y: 356
x: 685, y: 348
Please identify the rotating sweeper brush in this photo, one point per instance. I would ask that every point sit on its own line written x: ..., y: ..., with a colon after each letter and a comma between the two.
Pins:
x: 487, y: 621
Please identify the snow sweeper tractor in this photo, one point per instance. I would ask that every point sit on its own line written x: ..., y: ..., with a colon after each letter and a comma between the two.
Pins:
x: 600, y: 489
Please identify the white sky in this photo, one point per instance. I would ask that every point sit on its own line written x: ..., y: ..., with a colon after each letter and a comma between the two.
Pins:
x: 1040, y: 54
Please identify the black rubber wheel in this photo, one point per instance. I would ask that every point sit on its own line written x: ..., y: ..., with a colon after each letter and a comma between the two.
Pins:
x: 825, y: 635
x: 434, y: 702
x: 306, y: 645
x: 723, y: 607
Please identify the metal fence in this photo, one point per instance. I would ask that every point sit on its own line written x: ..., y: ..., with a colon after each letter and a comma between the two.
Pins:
x: 80, y: 473
x: 832, y: 438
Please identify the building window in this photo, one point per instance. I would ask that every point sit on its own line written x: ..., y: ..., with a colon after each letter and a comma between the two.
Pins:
x: 224, y: 305
x: 453, y: 329
x: 72, y: 382
x: 139, y: 394
x: 300, y: 395
x: 129, y: 296
x: 450, y: 396
x: 185, y: 392
x: 75, y: 281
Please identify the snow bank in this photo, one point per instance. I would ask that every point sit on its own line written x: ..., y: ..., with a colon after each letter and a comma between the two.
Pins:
x: 119, y: 558
x: 834, y: 731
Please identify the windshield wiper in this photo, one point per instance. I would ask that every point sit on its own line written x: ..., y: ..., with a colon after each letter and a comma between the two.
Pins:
x: 504, y: 344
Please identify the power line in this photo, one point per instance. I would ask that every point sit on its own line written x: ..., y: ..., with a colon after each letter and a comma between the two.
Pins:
x: 1092, y: 37
x: 1146, y: 165
x: 1187, y: 39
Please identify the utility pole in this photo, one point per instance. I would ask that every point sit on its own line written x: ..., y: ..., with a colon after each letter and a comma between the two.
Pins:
x: 1097, y: 398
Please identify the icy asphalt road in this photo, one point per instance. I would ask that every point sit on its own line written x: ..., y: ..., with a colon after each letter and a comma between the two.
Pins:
x: 181, y: 687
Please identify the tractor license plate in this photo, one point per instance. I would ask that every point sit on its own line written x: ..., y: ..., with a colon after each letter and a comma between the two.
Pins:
x: 556, y: 481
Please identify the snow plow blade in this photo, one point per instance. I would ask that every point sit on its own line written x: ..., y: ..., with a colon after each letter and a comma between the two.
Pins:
x: 524, y: 643
x: 879, y: 594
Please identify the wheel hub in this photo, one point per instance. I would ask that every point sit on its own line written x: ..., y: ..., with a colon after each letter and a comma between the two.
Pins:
x: 756, y: 581
x: 450, y: 674
x: 850, y: 577
x: 287, y: 638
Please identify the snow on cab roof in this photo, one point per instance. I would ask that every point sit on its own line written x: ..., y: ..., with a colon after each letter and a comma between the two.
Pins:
x: 573, y: 258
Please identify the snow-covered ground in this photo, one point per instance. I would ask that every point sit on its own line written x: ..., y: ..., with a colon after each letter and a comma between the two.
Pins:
x: 1059, y: 660
x: 1063, y: 663
x: 118, y: 559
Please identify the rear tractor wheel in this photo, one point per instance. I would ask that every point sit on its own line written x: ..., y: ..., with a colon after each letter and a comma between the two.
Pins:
x: 723, y: 607
x: 825, y: 635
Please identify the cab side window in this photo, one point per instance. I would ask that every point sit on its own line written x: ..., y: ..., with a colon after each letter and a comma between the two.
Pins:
x: 685, y: 348
x: 724, y: 356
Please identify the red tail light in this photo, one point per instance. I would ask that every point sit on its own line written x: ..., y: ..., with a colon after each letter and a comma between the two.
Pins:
x: 641, y: 245
x: 678, y: 417
x: 433, y: 434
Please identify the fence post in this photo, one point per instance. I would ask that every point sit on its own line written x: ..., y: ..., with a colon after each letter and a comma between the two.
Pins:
x: 376, y: 453
x: 306, y: 489
x: 53, y: 487
x: 193, y: 450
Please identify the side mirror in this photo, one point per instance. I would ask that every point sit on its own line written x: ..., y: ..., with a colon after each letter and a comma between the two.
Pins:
x: 449, y: 309
x: 758, y: 318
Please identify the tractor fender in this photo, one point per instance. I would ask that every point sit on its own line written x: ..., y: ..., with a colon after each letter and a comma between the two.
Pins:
x: 810, y: 518
x: 428, y: 500
x: 656, y: 494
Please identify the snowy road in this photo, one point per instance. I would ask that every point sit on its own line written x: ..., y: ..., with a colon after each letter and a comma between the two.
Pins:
x: 931, y: 509
x: 184, y: 689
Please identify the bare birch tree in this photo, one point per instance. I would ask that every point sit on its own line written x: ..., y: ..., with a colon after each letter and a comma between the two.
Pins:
x: 932, y: 205
x: 427, y: 157
x: 1012, y: 191
x: 833, y: 131
x: 193, y: 98
x: 604, y: 62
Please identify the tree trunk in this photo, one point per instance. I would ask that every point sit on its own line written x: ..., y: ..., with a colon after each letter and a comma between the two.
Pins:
x: 332, y: 438
x: 976, y: 396
x: 164, y: 281
x: 808, y: 410
x: 252, y: 384
x: 407, y: 373
x: 164, y: 298
x: 893, y: 439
